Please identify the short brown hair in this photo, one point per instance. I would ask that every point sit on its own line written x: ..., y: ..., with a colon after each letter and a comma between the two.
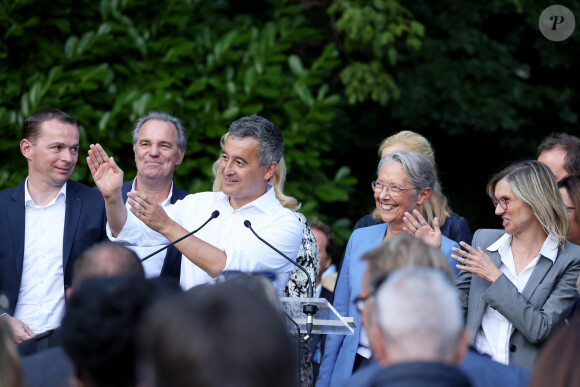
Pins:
x: 31, y: 126
x: 331, y: 249
x: 571, y: 144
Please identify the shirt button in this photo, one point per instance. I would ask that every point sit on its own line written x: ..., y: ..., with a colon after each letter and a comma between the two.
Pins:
x: 513, y: 348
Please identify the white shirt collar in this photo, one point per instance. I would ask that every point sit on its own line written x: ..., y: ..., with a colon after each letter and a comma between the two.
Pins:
x: 549, y: 247
x: 166, y: 201
x: 29, y: 202
x: 265, y: 203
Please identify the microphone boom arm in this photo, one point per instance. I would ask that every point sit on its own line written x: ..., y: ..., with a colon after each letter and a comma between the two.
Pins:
x: 214, y: 215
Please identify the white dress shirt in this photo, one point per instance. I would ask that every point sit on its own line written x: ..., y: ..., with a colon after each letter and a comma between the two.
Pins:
x: 41, y: 296
x: 495, y: 331
x: 274, y: 223
x: 153, y: 265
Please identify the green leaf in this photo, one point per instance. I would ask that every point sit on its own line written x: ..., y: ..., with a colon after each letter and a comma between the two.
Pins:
x: 70, y: 46
x: 230, y: 113
x: 304, y: 93
x: 295, y: 65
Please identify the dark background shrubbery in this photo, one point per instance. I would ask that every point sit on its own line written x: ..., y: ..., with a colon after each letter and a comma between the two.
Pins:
x: 477, y: 78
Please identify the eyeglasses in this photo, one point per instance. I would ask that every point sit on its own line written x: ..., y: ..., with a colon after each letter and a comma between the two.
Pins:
x: 501, y: 201
x: 359, y: 302
x: 393, y: 190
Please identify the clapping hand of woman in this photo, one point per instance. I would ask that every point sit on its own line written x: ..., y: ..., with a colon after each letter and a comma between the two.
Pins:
x: 476, y: 261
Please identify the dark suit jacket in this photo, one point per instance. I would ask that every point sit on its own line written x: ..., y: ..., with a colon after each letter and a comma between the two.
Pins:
x: 481, y: 370
x: 172, y: 264
x: 84, y: 225
x: 47, y: 368
x: 419, y: 374
x: 536, y: 312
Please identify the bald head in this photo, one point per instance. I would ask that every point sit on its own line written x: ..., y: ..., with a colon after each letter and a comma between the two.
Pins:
x: 106, y: 259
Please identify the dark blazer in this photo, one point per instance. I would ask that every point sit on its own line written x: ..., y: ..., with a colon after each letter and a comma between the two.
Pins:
x: 172, y: 264
x: 84, y: 225
x: 419, y: 374
x: 536, y: 312
x: 481, y: 370
x: 47, y: 368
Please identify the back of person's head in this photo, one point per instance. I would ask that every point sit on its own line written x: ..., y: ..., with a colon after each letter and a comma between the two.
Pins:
x: 227, y: 335
x: 161, y: 116
x: 570, y: 144
x: 535, y: 185
x: 106, y: 259
x: 419, y: 317
x: 268, y: 135
x: 10, y: 370
x: 557, y: 364
x: 402, y: 250
x: 32, y: 124
x: 99, y: 328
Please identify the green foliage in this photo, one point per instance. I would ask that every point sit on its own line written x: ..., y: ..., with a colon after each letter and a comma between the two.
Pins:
x: 485, y: 88
x: 372, y: 32
x: 109, y: 62
x: 476, y: 78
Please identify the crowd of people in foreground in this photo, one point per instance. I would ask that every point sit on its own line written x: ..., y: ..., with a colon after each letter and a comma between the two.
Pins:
x: 99, y: 287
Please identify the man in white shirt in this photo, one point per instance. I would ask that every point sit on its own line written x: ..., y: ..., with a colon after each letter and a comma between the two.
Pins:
x: 45, y: 222
x: 159, y: 142
x: 250, y: 156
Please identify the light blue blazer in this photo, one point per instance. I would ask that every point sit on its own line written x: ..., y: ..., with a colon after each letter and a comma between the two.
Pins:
x: 340, y: 351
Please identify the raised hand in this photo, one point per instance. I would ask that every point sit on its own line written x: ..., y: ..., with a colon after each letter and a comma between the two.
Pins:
x: 476, y: 262
x: 418, y: 226
x: 107, y: 175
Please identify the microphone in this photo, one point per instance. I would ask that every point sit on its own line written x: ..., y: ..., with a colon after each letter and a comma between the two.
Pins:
x: 214, y: 215
x: 308, y: 309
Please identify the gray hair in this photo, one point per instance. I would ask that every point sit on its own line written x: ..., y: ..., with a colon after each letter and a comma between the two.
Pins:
x: 418, y: 311
x: 161, y: 116
x: 418, y: 168
x: 271, y: 143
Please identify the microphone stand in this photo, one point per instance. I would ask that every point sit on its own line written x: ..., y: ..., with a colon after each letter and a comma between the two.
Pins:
x: 214, y: 215
x: 308, y: 309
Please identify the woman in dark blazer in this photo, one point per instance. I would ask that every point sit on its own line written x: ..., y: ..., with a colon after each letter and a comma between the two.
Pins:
x: 518, y: 284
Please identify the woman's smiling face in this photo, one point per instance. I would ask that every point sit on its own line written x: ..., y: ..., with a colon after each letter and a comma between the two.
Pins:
x: 392, y: 206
